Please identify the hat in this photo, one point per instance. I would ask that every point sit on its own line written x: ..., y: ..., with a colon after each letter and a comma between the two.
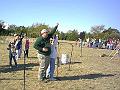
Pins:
x: 44, y: 31
x: 15, y: 34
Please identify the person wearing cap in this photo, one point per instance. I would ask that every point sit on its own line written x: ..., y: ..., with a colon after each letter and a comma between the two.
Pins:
x: 43, y: 46
x: 12, y: 54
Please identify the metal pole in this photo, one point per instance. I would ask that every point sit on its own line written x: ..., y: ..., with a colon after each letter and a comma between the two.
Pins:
x: 0, y: 57
x: 57, y: 58
x: 24, y: 68
x: 70, y: 57
x: 57, y: 65
x: 81, y: 48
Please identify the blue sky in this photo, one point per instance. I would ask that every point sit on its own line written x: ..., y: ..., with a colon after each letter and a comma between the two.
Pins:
x: 71, y: 14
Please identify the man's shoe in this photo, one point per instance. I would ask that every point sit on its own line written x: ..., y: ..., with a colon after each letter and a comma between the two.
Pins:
x: 52, y: 79
x: 48, y: 76
x: 10, y: 67
x: 46, y: 80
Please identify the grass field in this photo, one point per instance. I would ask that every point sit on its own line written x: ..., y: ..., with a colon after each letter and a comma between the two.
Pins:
x: 89, y: 72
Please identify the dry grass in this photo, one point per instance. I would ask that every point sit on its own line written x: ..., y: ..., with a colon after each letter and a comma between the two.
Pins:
x: 89, y: 72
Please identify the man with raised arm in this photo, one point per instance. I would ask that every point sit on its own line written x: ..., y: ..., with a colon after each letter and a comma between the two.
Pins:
x: 43, y: 46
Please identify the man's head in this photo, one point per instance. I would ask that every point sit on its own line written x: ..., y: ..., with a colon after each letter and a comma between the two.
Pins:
x: 16, y: 36
x: 44, y: 33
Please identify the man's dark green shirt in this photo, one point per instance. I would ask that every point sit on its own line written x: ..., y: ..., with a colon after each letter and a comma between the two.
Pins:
x: 44, y: 43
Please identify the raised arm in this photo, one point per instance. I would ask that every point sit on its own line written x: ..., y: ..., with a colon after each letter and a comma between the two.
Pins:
x: 54, y: 30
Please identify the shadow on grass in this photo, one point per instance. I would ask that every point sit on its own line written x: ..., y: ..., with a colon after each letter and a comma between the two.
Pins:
x: 5, y: 69
x: 71, y: 63
x: 11, y: 79
x: 88, y: 76
x: 75, y: 62
x: 33, y: 57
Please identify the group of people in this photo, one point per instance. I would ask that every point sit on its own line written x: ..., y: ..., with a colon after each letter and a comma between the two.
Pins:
x: 46, y: 46
x: 15, y: 49
x: 104, y: 44
x: 47, y: 52
x: 112, y: 43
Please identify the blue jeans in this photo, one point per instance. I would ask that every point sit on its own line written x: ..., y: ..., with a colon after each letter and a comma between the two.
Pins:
x: 51, y: 68
x: 11, y: 56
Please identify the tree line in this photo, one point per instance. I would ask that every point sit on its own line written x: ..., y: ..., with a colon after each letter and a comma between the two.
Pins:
x: 33, y: 31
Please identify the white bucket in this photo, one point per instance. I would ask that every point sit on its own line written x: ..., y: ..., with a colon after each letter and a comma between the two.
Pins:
x: 64, y: 59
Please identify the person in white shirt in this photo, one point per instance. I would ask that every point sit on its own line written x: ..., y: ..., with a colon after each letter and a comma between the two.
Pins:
x: 17, y: 45
x: 53, y: 56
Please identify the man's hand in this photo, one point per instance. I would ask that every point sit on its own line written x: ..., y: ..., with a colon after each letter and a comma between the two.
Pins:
x: 8, y: 48
x: 57, y: 24
x: 45, y: 49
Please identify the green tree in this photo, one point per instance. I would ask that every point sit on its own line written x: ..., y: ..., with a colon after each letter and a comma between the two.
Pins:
x: 72, y: 35
x: 62, y: 36
x: 97, y: 30
x: 111, y: 33
x: 35, y: 29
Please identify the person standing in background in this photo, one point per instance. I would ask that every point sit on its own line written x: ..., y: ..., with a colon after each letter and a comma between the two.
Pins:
x: 21, y: 36
x: 12, y: 54
x: 17, y: 45
x: 27, y: 44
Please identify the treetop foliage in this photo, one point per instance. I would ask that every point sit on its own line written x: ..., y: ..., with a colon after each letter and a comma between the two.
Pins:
x: 33, y: 31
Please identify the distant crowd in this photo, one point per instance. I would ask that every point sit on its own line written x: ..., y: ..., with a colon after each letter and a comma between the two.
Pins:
x: 106, y: 44
x: 110, y: 43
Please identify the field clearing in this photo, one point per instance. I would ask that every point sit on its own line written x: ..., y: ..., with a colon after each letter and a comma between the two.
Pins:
x: 89, y: 72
